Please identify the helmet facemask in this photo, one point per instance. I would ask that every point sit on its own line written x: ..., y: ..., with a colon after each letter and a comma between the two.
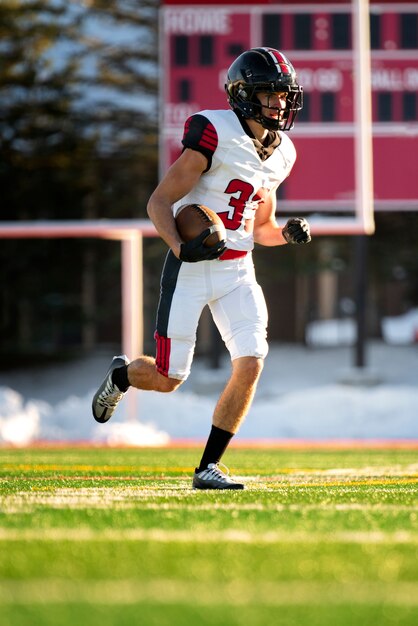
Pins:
x: 264, y: 70
x: 245, y: 99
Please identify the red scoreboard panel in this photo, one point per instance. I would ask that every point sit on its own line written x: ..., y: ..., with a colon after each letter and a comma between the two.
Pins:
x: 200, y: 41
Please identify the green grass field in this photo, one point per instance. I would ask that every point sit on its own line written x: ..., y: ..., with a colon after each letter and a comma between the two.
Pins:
x: 117, y: 537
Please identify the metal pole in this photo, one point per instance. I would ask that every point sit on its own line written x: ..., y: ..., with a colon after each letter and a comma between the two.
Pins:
x: 360, y: 262
x: 363, y: 142
x: 132, y: 307
x: 363, y: 146
x: 132, y: 322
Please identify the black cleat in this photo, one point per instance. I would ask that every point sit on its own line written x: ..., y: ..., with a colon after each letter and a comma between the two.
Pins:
x: 214, y: 478
x: 108, y: 395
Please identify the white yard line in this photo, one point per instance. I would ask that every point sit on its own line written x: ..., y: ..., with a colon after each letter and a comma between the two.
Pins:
x: 208, y: 536
x: 234, y: 593
x: 125, y: 498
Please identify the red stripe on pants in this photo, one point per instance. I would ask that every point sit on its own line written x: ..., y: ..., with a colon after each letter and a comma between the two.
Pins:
x: 162, y: 359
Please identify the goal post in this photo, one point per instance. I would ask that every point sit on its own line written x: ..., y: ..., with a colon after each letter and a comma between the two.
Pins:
x: 130, y: 233
x: 363, y: 143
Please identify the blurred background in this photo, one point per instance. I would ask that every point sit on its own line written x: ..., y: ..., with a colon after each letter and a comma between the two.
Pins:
x: 93, y: 96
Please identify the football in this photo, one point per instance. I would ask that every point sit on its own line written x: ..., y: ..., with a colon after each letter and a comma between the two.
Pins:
x: 193, y: 219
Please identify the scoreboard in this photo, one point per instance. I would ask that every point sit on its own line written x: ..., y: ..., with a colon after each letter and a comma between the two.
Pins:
x: 200, y: 41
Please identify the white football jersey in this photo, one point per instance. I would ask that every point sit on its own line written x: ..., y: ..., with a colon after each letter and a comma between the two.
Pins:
x: 237, y: 176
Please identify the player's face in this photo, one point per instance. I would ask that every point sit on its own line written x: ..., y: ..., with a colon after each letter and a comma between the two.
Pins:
x: 273, y: 104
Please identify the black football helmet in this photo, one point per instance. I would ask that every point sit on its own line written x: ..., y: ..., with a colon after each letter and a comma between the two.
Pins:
x: 264, y: 70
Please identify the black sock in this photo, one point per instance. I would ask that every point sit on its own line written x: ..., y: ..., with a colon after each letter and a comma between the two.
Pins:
x: 216, y: 445
x: 120, y: 378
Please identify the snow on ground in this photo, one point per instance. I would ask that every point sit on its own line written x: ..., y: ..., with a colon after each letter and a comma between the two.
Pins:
x: 300, y: 396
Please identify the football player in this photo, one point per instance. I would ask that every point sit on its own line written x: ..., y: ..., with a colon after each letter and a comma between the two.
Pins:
x: 233, y: 161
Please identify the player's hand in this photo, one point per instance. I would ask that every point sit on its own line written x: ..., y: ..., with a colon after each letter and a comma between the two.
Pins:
x: 297, y: 230
x: 195, y: 250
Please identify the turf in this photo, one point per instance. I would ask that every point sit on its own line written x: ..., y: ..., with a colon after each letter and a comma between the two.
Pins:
x: 106, y: 536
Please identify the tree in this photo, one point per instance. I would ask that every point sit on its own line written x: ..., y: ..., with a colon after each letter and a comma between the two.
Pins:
x: 78, y: 129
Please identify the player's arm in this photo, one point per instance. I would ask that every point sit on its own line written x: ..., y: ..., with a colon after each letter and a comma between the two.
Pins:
x: 179, y: 180
x: 267, y: 231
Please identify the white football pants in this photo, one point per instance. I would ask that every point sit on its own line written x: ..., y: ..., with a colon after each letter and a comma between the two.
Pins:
x: 235, y: 300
